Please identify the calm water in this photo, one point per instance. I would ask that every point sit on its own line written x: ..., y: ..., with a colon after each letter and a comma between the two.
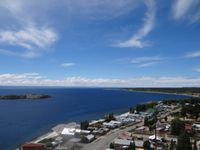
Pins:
x: 23, y: 120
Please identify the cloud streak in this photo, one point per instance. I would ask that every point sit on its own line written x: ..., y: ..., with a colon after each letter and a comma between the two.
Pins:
x: 149, y: 22
x: 67, y: 65
x: 186, y: 9
x: 35, y: 79
x: 182, y: 7
x: 193, y: 54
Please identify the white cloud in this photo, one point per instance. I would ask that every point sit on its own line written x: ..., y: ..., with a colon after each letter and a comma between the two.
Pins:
x: 35, y: 79
x: 186, y: 9
x: 149, y: 22
x: 34, y: 40
x: 23, y: 9
x: 193, y: 54
x: 66, y: 65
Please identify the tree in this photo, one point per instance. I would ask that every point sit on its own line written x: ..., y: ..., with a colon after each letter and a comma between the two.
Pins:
x: 172, y: 145
x: 84, y: 125
x: 146, y: 121
x: 184, y: 142
x: 177, y: 126
x: 112, y: 145
x: 147, y: 145
x: 166, y: 118
x: 131, y: 110
x: 110, y: 117
x: 183, y: 111
x: 131, y: 146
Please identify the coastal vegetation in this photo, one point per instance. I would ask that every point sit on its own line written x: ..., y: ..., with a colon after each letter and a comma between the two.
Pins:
x: 109, y: 117
x: 84, y: 125
x: 142, y: 107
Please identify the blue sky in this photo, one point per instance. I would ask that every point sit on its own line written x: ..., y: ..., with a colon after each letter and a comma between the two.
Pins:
x: 122, y: 43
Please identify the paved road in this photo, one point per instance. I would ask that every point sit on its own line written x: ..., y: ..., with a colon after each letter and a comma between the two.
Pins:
x: 103, y: 142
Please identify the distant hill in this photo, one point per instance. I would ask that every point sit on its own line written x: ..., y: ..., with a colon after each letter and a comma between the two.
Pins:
x: 193, y: 91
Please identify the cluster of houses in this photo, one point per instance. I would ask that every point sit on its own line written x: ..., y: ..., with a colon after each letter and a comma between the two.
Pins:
x: 66, y: 136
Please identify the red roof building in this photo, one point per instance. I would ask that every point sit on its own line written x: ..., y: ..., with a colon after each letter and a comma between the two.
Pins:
x: 33, y: 146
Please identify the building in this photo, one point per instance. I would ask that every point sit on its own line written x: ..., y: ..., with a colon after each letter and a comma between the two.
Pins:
x: 33, y: 146
x: 90, y: 137
x: 121, y: 143
x: 196, y: 127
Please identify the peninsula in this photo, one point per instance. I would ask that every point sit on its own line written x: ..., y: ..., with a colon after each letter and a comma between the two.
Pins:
x: 192, y: 91
x: 24, y: 96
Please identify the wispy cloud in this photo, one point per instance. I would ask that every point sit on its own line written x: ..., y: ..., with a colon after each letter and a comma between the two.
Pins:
x: 35, y: 79
x: 146, y: 61
x: 186, y: 9
x: 66, y: 65
x: 193, y: 54
x: 149, y: 22
x: 182, y: 7
x: 148, y: 64
x: 32, y: 39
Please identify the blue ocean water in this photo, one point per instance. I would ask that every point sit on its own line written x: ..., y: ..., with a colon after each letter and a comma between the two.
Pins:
x: 24, y: 120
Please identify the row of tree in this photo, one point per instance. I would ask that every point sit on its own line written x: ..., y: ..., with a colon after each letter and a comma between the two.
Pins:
x: 142, y: 107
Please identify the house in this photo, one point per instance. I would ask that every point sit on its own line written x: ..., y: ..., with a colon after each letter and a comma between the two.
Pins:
x: 109, y: 125
x: 99, y: 131
x: 125, y: 135
x: 139, y: 144
x: 121, y: 143
x: 90, y: 137
x: 68, y: 132
x: 153, y: 137
x: 33, y: 146
x: 196, y: 127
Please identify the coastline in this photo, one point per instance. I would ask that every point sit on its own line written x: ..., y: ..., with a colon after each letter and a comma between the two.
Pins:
x: 111, y: 135
x: 49, y: 133
x: 158, y: 92
x: 52, y: 133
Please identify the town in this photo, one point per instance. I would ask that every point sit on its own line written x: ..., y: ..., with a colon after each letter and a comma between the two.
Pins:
x: 163, y: 125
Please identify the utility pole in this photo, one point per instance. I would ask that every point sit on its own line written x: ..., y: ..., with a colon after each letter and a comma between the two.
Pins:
x: 156, y: 132
x: 155, y: 137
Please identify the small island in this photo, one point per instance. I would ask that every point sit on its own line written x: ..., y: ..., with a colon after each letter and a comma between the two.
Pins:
x: 24, y: 96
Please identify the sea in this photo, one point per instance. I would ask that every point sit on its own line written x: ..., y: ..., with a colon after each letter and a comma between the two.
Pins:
x: 24, y: 120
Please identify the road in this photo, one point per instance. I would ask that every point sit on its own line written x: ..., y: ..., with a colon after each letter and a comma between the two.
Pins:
x: 103, y: 142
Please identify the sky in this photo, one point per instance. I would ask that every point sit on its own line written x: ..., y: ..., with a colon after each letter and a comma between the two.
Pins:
x: 100, y: 43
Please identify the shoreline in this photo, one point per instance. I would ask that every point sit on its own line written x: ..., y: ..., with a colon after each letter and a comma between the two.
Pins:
x: 50, y: 133
x: 157, y: 92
